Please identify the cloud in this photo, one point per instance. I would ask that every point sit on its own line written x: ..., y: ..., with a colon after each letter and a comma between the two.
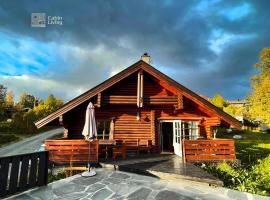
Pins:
x: 210, y: 46
x: 38, y: 86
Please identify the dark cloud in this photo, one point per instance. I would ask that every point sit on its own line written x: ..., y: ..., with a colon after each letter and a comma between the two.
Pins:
x: 177, y: 35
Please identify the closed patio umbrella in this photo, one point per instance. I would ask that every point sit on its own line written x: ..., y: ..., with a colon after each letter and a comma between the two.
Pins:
x: 89, y: 132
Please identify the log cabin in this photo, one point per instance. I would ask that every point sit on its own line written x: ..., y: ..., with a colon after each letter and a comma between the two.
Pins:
x: 142, y: 103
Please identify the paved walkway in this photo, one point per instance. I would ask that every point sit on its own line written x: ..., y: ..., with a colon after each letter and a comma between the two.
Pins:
x: 164, y: 167
x: 123, y: 185
x: 30, y: 144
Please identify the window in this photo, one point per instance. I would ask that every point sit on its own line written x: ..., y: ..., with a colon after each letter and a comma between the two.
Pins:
x: 190, y: 130
x: 103, y: 129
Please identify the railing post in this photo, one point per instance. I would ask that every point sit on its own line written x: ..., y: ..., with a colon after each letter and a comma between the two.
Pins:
x: 183, y: 150
x: 46, y: 167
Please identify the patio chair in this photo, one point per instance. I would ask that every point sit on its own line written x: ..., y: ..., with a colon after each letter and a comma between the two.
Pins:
x: 145, y: 145
x: 132, y: 145
x: 119, y: 149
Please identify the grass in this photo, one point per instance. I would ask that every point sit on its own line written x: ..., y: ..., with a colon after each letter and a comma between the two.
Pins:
x: 61, y: 175
x: 253, y: 174
x: 252, y: 147
x: 9, y: 137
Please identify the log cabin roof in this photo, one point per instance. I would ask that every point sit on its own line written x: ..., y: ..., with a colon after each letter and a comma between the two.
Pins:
x: 140, y: 65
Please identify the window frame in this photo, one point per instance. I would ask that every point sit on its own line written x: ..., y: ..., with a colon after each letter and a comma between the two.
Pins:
x: 105, y: 130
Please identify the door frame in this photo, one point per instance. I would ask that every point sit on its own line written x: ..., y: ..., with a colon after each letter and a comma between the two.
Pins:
x: 160, y: 131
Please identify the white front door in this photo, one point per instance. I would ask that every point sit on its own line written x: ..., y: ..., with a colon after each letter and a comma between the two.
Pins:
x: 177, y: 138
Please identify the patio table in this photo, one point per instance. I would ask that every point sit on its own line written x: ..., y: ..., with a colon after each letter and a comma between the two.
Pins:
x: 107, y: 145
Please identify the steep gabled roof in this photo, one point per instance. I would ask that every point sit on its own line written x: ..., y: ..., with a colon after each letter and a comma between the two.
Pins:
x: 125, y: 73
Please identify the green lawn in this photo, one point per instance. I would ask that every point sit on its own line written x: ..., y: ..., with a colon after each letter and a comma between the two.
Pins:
x: 9, y: 137
x: 253, y: 173
x: 252, y: 147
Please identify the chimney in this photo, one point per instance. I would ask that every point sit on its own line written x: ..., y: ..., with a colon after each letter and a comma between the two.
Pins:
x: 146, y: 58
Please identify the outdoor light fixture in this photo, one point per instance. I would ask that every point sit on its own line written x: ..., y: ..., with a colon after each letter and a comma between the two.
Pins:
x: 61, y: 120
x: 215, y: 129
x: 138, y: 116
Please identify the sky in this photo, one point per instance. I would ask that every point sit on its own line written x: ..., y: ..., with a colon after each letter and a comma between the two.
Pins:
x: 208, y: 46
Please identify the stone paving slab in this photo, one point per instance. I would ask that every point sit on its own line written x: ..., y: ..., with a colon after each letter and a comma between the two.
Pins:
x: 164, y: 167
x: 123, y: 185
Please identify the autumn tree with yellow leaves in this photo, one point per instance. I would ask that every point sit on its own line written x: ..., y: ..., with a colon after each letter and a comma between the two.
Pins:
x: 259, y: 98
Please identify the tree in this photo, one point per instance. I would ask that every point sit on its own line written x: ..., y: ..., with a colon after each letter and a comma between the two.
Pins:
x: 259, y: 98
x: 231, y: 110
x: 9, y: 99
x: 26, y: 100
x: 3, y: 93
x: 52, y: 103
x: 218, y: 101
x: 48, y: 106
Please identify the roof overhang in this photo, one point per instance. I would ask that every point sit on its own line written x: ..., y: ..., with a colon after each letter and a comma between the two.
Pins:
x: 125, y: 73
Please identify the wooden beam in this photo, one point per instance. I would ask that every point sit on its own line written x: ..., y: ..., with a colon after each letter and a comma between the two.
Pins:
x: 99, y: 100
x: 111, y: 135
x: 141, y: 89
x: 153, y: 127
x: 138, y: 89
x: 180, y: 103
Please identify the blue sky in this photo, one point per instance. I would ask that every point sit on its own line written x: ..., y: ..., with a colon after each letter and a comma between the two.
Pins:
x: 208, y: 46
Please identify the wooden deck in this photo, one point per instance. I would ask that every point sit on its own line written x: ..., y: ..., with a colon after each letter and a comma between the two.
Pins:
x: 209, y: 150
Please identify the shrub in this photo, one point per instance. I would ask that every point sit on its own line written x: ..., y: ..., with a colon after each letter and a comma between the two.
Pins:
x: 262, y: 172
x: 5, y: 126
x: 7, y: 138
x: 255, y: 180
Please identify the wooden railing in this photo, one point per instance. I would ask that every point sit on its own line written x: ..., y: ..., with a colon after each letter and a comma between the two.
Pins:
x: 67, y: 150
x: 208, y: 150
x: 21, y: 172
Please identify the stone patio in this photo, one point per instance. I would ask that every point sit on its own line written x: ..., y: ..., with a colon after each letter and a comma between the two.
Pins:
x: 164, y: 167
x: 123, y: 185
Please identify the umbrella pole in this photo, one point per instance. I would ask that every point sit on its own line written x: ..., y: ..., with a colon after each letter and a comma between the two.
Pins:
x: 89, y: 155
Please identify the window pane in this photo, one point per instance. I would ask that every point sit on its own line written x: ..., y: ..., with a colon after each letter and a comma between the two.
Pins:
x: 107, y: 127
x: 103, y: 126
x: 99, y: 127
x: 190, y: 130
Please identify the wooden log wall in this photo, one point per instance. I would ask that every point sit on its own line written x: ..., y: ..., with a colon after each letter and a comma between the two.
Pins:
x: 152, y: 87
x: 128, y: 127
x: 127, y: 87
x: 119, y: 102
x: 132, y: 100
x: 210, y: 122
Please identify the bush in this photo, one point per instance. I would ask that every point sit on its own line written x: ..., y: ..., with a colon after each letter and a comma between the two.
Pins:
x: 255, y: 180
x: 262, y: 172
x: 267, y: 131
x: 7, y: 138
x: 5, y: 126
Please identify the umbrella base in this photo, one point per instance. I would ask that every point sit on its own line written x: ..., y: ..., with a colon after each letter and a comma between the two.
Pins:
x: 89, y: 173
